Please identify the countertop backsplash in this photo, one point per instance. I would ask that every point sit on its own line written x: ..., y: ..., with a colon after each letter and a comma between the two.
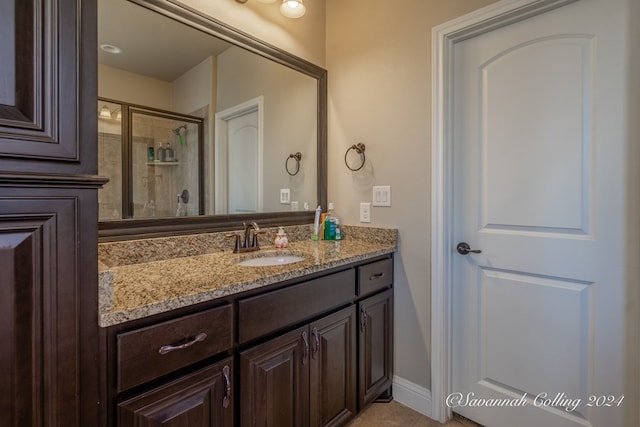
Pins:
x: 126, y: 252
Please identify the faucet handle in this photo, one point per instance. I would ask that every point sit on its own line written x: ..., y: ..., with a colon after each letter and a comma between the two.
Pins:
x: 254, y: 242
x: 237, y: 245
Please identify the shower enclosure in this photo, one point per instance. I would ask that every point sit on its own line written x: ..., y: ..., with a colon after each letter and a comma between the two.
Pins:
x: 153, y: 161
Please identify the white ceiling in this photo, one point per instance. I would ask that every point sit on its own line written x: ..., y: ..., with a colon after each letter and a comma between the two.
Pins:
x: 152, y: 45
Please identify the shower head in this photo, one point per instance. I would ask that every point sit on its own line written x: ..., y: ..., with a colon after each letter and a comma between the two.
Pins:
x: 177, y: 130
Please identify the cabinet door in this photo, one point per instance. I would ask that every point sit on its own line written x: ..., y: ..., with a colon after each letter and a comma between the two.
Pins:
x: 47, y: 86
x: 333, y: 368
x: 376, y: 346
x: 274, y: 388
x: 204, y: 398
x: 48, y: 311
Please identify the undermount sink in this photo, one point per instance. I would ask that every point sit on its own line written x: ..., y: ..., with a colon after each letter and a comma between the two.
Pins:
x: 265, y: 261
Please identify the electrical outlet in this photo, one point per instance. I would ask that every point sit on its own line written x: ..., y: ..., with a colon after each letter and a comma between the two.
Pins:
x: 365, y: 212
x: 285, y: 196
x: 294, y: 206
x: 382, y: 195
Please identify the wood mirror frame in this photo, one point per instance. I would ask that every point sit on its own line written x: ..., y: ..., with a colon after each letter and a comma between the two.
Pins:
x: 157, y: 227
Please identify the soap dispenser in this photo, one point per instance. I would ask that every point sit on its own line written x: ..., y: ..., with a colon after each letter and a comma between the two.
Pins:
x: 281, y: 241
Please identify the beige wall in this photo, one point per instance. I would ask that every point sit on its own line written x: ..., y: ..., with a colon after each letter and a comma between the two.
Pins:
x: 379, y: 59
x: 289, y: 127
x: 196, y: 88
x: 121, y: 85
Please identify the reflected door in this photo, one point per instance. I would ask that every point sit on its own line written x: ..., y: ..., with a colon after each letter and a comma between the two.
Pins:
x: 243, y: 163
x: 239, y: 159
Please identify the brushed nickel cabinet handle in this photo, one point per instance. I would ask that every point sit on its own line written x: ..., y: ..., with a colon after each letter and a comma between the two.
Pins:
x: 363, y: 319
x: 305, y: 353
x: 169, y: 348
x: 316, y: 343
x: 227, y: 382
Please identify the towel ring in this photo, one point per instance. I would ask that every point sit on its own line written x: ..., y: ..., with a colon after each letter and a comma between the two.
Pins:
x: 297, y: 157
x: 359, y: 147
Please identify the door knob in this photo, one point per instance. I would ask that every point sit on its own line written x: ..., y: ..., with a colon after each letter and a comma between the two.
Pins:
x: 463, y: 248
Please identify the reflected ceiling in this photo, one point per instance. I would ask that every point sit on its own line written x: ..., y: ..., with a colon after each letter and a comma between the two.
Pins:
x: 148, y: 39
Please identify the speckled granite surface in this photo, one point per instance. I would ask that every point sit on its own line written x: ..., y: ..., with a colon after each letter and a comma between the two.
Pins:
x: 145, y: 277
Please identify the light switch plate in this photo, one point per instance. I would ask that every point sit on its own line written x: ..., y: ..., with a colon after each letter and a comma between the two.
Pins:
x: 382, y: 195
x: 365, y: 212
x: 285, y: 196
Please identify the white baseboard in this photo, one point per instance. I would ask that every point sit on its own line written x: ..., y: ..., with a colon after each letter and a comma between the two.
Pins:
x: 412, y: 395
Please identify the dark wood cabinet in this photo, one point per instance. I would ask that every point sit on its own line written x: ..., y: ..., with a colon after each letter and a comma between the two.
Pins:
x: 306, y: 377
x: 333, y: 369
x: 376, y: 346
x: 274, y: 381
x: 310, y: 352
x: 201, y: 399
x: 148, y: 353
x: 48, y: 214
x: 177, y: 371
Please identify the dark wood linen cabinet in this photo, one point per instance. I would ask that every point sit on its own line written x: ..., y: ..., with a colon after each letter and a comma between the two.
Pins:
x: 48, y: 213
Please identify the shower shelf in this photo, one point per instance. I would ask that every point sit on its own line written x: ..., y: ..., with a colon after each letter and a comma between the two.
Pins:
x: 163, y: 163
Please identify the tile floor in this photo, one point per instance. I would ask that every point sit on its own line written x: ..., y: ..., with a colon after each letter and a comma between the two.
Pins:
x: 394, y: 414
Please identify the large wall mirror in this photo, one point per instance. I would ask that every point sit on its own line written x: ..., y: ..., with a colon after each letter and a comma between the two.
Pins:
x: 256, y: 114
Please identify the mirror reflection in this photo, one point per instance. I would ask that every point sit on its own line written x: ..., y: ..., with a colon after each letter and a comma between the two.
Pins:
x: 161, y: 82
x: 154, y: 165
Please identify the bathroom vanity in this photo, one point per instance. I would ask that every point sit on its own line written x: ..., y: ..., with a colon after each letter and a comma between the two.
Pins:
x: 303, y: 344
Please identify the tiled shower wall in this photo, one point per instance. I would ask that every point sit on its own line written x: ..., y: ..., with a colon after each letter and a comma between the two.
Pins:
x: 156, y: 186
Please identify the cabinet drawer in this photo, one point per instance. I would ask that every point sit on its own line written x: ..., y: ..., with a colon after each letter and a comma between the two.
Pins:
x: 263, y: 314
x: 375, y: 276
x: 148, y: 353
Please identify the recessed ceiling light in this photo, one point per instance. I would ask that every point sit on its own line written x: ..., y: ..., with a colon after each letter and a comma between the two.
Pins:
x: 109, y: 48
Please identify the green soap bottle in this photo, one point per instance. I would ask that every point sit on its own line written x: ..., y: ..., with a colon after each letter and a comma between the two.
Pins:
x: 330, y: 224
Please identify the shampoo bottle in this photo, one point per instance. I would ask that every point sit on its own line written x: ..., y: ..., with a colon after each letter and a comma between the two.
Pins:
x: 160, y: 154
x: 169, y: 153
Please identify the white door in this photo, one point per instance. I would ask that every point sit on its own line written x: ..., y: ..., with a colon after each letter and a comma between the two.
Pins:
x: 538, y: 135
x: 239, y: 158
x: 243, y: 159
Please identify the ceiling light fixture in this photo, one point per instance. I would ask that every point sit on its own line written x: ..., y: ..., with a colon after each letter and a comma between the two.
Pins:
x: 110, y: 48
x: 289, y: 8
x: 292, y: 8
x: 105, y: 112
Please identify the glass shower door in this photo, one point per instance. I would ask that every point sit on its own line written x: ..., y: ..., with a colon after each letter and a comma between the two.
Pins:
x: 165, y: 165
x: 110, y: 143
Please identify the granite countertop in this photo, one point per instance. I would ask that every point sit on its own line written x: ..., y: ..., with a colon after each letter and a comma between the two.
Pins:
x: 133, y: 291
